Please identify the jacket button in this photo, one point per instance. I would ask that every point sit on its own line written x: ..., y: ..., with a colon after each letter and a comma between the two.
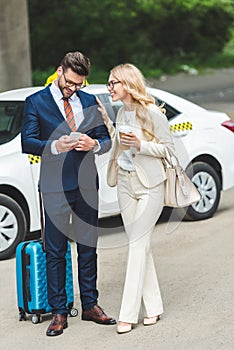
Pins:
x: 133, y: 155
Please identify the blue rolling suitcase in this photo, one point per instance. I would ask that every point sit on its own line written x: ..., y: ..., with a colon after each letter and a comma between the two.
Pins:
x: 31, y: 281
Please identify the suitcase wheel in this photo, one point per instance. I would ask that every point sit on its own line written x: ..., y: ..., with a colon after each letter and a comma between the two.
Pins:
x: 73, y: 312
x: 36, y: 318
x: 22, y: 316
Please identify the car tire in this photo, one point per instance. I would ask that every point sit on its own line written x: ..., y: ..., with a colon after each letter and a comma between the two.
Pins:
x: 13, y: 226
x: 208, y: 182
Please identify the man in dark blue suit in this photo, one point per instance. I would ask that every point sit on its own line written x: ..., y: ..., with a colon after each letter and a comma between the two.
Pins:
x: 68, y: 182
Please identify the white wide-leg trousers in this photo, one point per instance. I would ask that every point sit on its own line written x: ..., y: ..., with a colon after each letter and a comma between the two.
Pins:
x: 140, y: 210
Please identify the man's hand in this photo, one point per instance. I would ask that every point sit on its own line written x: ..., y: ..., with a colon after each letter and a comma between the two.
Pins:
x: 65, y: 143
x: 85, y: 143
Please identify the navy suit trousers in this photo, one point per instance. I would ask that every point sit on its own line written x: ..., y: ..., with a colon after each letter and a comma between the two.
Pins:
x: 73, y: 215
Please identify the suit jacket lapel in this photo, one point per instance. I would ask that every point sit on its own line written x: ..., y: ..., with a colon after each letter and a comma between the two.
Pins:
x: 85, y: 106
x: 52, y: 104
x: 83, y: 100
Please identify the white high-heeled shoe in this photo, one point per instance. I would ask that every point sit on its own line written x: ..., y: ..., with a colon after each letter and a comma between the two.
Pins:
x: 149, y: 321
x: 124, y: 328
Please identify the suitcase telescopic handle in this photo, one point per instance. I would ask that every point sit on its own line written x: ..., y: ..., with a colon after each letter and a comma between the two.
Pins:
x: 42, y: 219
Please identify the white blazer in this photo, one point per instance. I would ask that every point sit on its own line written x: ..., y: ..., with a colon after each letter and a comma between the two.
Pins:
x: 147, y: 161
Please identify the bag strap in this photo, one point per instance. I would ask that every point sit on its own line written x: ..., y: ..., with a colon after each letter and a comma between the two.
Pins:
x: 181, y: 177
x: 168, y: 163
x: 168, y: 159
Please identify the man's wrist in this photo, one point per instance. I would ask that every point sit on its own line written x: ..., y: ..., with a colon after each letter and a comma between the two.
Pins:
x: 96, y: 146
x: 95, y: 143
x: 54, y: 149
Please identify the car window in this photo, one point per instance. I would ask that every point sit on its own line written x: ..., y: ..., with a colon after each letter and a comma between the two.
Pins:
x: 171, y: 112
x: 111, y: 107
x: 10, y: 120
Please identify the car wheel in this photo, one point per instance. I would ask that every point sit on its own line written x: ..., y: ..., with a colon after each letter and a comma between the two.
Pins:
x: 13, y: 226
x: 208, y: 184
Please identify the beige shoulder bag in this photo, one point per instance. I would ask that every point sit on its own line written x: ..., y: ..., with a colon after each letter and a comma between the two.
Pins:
x: 179, y: 189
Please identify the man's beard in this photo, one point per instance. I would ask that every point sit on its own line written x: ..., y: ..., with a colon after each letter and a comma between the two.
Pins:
x: 63, y: 90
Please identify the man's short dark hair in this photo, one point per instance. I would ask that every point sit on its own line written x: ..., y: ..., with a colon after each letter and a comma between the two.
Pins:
x: 77, y: 62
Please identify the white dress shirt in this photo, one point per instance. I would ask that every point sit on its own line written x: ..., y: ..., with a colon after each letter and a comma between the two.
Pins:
x: 76, y: 108
x: 125, y: 160
x: 74, y: 102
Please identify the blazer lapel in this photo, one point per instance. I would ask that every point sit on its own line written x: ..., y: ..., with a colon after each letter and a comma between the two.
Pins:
x: 49, y: 100
x: 86, y: 111
x: 83, y: 100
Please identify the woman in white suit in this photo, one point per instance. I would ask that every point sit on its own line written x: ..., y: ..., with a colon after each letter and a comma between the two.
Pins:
x: 136, y: 168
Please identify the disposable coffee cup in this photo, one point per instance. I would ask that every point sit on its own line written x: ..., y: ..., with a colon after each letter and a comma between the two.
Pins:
x: 123, y: 130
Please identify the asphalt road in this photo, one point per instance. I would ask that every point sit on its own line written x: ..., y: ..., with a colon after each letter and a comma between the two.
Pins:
x: 213, y: 89
x: 195, y: 269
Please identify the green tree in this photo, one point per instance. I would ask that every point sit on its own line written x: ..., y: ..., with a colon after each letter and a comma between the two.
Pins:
x: 146, y: 32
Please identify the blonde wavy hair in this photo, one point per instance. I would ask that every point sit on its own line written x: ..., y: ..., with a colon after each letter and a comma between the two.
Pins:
x: 134, y: 83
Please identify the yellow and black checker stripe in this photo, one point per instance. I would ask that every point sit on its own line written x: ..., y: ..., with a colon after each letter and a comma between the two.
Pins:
x: 34, y: 159
x: 181, y: 127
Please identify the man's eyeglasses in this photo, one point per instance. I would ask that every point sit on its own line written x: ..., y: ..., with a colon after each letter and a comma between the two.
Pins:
x: 71, y: 84
x: 111, y: 84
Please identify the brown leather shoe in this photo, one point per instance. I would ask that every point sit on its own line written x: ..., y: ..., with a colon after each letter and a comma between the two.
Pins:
x: 96, y: 314
x: 57, y: 325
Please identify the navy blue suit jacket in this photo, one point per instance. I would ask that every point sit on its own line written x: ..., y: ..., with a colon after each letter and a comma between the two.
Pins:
x: 43, y: 123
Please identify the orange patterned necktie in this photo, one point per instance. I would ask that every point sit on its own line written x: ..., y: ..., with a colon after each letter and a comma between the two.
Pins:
x: 69, y: 114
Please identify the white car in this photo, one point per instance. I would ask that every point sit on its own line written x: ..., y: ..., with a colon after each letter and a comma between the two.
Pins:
x: 204, y: 141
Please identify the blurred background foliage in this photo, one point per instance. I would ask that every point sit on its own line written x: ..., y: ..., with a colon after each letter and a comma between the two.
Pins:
x: 159, y: 36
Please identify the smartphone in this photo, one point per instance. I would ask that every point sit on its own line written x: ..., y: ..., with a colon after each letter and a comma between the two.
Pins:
x: 75, y: 135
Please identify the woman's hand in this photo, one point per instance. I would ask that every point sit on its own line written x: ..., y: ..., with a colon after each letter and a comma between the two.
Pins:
x: 131, y: 140
x: 102, y: 109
